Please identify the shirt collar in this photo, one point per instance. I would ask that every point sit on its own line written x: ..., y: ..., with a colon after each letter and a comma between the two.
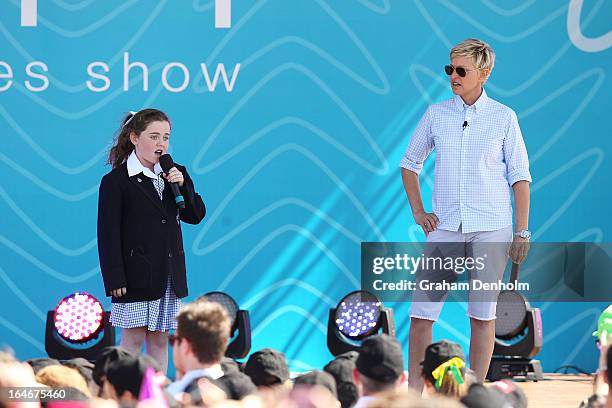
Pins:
x: 179, y: 386
x: 478, y: 105
x: 134, y: 166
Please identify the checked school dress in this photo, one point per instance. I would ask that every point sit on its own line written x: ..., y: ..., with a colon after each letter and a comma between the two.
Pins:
x: 155, y: 315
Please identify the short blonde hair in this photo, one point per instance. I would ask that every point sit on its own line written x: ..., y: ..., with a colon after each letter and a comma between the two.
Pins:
x: 58, y: 376
x: 479, y: 51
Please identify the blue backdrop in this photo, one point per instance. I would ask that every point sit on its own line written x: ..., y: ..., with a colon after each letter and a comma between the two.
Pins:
x: 297, y: 158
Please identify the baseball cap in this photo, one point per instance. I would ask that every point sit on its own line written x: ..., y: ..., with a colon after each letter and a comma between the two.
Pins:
x: 125, y: 374
x: 513, y: 394
x: 267, y: 367
x: 38, y: 364
x: 107, y: 355
x: 341, y: 368
x: 479, y: 396
x: 235, y: 384
x: 381, y: 359
x: 318, y: 377
x: 439, y: 353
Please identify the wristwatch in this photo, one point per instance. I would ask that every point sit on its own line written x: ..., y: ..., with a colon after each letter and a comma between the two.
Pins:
x: 525, y: 234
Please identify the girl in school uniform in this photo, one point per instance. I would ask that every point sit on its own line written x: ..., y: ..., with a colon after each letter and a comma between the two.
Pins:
x: 139, y: 233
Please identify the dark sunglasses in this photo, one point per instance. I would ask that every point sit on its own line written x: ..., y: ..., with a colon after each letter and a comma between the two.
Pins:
x: 172, y: 339
x: 462, y: 72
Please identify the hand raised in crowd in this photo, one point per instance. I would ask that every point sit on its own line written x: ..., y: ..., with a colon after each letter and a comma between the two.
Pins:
x: 428, y: 221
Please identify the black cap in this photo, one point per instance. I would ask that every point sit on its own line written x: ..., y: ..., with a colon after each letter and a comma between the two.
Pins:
x: 317, y: 377
x: 381, y: 359
x: 38, y: 364
x: 479, y: 396
x: 341, y: 368
x: 83, y: 366
x: 267, y: 367
x: 107, y: 355
x: 513, y: 394
x: 126, y: 374
x: 229, y: 364
x: 235, y: 384
x: 439, y: 353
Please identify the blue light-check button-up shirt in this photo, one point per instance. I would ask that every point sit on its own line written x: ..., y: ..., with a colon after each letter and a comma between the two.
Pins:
x: 475, y: 166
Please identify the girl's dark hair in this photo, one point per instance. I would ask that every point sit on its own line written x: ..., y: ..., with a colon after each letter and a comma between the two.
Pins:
x: 122, y: 146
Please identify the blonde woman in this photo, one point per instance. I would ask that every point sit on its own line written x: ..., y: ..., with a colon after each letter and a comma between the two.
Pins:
x: 481, y: 160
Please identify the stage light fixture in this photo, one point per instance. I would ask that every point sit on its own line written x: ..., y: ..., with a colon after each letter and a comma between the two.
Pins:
x: 240, y: 335
x: 359, y: 315
x: 78, y: 327
x: 518, y: 336
x: 78, y: 317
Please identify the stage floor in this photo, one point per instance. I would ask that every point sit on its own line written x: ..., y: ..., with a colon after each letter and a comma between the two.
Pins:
x: 558, y: 390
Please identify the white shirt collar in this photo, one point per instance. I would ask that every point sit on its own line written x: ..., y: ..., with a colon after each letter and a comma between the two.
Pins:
x: 179, y: 386
x: 134, y: 166
x: 478, y: 105
x: 364, y: 401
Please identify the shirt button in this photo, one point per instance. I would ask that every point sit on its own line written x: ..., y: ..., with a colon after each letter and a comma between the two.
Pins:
x: 163, y: 221
x: 169, y: 254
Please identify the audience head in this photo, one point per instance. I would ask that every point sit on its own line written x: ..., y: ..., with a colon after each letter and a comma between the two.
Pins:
x: 85, y: 368
x: 38, y: 364
x: 318, y: 378
x: 108, y: 355
x: 380, y: 365
x: 512, y: 393
x: 480, y: 396
x: 410, y: 399
x: 341, y: 368
x: 201, y: 336
x: 59, y: 376
x: 267, y: 367
x: 444, y: 368
x: 234, y: 385
x: 124, y: 377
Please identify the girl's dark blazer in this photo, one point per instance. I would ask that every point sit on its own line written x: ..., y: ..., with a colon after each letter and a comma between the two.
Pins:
x: 139, y: 236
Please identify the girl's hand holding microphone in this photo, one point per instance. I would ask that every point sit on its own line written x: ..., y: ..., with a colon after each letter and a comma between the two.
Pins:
x: 175, y: 176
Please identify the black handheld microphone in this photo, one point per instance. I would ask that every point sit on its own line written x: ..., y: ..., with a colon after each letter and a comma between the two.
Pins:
x: 465, y: 124
x: 166, y: 163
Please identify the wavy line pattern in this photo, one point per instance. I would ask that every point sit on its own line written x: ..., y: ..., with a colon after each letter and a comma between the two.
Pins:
x: 298, y: 164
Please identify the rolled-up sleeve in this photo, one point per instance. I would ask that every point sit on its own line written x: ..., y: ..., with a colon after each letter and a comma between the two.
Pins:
x: 420, y: 146
x: 515, y: 153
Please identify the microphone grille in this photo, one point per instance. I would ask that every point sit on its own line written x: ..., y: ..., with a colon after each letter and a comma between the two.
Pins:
x: 166, y: 162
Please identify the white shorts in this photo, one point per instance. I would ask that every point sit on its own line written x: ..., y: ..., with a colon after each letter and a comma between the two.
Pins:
x: 472, y: 244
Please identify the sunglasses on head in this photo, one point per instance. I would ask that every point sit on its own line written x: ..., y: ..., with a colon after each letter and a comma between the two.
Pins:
x: 462, y: 72
x: 172, y: 339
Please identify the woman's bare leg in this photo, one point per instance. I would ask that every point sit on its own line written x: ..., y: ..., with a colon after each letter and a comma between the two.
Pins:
x: 132, y: 339
x: 157, y: 347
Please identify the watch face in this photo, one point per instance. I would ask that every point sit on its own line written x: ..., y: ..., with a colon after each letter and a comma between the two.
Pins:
x: 525, y: 234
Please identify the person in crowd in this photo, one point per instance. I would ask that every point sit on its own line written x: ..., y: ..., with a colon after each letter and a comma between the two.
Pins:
x: 318, y: 378
x: 85, y: 368
x: 59, y: 376
x: 268, y: 368
x: 341, y: 368
x: 140, y: 242
x: 124, y: 377
x: 108, y: 355
x: 198, y: 345
x: 444, y: 369
x: 410, y: 399
x: 379, y: 368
